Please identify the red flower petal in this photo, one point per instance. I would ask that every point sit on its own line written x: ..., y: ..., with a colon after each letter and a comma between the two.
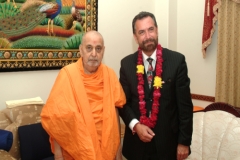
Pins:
x: 150, y: 122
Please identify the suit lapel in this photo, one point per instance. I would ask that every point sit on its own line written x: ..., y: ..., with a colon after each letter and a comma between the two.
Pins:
x: 164, y: 57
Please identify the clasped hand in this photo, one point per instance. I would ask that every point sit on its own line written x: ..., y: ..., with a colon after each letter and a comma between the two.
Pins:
x: 144, y: 132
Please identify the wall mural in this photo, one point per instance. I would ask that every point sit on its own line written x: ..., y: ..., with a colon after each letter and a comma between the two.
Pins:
x: 43, y: 34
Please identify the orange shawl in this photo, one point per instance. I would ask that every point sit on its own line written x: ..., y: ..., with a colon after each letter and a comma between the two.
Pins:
x: 68, y: 119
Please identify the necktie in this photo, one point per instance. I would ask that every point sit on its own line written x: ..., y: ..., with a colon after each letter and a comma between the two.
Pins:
x: 150, y: 72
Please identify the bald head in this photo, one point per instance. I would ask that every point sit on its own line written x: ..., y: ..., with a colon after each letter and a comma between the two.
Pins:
x: 91, y: 51
x: 92, y: 33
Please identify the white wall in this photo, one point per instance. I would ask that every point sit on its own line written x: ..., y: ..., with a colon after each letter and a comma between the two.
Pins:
x: 23, y: 85
x: 115, y: 24
x: 162, y: 17
x: 180, y: 28
x: 190, y: 16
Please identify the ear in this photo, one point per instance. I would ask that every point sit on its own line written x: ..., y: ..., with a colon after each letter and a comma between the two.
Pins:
x: 135, y: 38
x: 80, y: 50
x: 103, y: 50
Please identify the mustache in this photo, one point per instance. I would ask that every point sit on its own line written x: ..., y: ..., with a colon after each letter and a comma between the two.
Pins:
x: 93, y: 59
x: 148, y: 40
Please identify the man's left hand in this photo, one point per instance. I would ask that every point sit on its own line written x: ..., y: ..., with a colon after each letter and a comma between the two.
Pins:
x: 182, y: 152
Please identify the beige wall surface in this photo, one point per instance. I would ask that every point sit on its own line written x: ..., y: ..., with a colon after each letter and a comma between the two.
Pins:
x: 180, y: 28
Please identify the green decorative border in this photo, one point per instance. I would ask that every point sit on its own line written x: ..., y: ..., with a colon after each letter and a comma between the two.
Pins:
x: 39, y: 59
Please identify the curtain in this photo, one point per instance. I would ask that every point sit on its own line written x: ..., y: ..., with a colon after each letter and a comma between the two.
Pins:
x: 228, y: 55
x: 210, y: 18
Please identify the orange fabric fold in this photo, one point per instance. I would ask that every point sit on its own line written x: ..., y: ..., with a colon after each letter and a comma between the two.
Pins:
x: 94, y: 88
x: 74, y: 114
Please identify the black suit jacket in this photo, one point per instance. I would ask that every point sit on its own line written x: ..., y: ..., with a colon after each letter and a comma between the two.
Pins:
x: 174, y: 124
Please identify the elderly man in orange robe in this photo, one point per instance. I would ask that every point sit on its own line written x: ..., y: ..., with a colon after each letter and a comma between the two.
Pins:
x: 80, y: 114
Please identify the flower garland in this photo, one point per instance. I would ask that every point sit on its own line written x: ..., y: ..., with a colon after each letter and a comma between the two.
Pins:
x: 149, y: 121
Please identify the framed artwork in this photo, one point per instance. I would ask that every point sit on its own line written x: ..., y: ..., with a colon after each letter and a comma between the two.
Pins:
x: 43, y: 34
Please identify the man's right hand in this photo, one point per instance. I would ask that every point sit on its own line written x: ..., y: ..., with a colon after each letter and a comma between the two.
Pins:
x: 144, y: 132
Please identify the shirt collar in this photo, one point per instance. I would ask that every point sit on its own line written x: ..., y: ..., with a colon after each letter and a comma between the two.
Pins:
x: 153, y: 56
x: 145, y: 62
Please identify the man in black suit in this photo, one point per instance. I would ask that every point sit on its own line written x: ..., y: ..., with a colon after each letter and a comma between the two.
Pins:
x: 159, y: 111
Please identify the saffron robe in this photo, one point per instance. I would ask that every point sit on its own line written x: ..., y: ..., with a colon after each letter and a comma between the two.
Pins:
x: 68, y: 116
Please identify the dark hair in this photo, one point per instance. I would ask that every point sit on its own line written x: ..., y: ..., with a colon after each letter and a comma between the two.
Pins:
x: 142, y: 15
